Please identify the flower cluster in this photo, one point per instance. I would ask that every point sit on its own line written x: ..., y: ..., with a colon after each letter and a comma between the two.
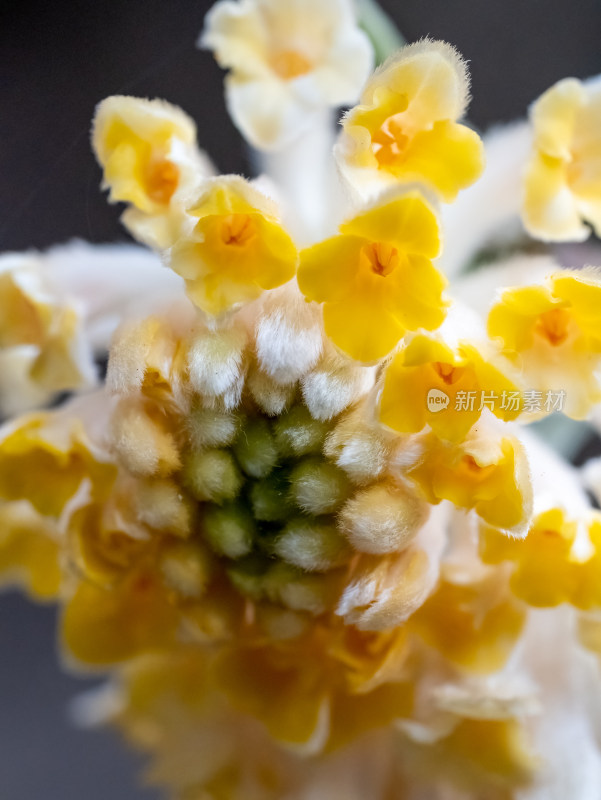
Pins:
x: 310, y: 567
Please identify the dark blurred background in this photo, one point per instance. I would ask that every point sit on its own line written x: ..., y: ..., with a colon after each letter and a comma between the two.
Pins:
x: 57, y: 60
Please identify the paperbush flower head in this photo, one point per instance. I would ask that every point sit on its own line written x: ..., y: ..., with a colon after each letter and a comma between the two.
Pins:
x: 405, y: 128
x: 288, y: 61
x: 300, y: 527
x: 562, y: 179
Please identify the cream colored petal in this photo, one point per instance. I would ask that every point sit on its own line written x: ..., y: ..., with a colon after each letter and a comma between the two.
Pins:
x: 339, y: 79
x: 432, y: 75
x: 237, y: 34
x: 554, y: 117
x: 550, y: 211
x: 266, y: 113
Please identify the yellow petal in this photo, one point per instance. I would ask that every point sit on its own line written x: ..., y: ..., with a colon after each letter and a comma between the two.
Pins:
x: 29, y: 551
x: 416, y: 294
x: 107, y: 626
x: 327, y: 268
x: 550, y: 210
x: 407, y: 222
x: 554, y: 117
x: 45, y: 464
x: 449, y: 157
x: 361, y: 329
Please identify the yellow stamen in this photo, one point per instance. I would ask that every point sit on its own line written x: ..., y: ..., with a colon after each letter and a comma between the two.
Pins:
x: 470, y: 467
x: 389, y: 143
x: 554, y: 325
x: 448, y: 372
x: 237, y: 229
x: 382, y: 257
x: 162, y: 178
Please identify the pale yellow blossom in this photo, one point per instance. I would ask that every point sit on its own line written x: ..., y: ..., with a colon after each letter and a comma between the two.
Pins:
x: 562, y: 183
x: 288, y: 60
x: 405, y: 127
x: 147, y: 150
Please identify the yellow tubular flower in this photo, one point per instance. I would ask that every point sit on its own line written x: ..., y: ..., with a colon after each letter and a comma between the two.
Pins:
x: 545, y: 574
x: 461, y: 377
x: 405, y: 127
x: 562, y: 184
x: 104, y: 626
x: 376, y: 278
x: 552, y: 332
x: 45, y: 462
x: 486, y: 758
x: 288, y: 60
x: 473, y: 625
x: 147, y: 149
x: 488, y: 473
x: 42, y: 346
x: 587, y: 587
x: 237, y: 248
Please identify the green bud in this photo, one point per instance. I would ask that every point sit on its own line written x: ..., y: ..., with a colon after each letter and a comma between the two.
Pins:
x: 318, y: 487
x: 212, y: 475
x: 269, y: 498
x: 312, y: 545
x: 248, y: 575
x: 256, y: 449
x: 208, y: 427
x: 298, y: 434
x: 229, y: 530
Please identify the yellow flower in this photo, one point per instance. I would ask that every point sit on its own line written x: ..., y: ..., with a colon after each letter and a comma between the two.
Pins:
x: 405, y: 127
x: 587, y: 587
x: 102, y: 626
x: 29, y: 551
x: 562, y: 188
x: 545, y: 574
x: 42, y: 345
x: 147, y: 149
x: 474, y: 625
x: 320, y: 689
x: 45, y: 459
x: 488, y: 472
x: 486, y: 758
x: 552, y: 332
x: 237, y: 248
x: 376, y: 278
x: 465, y: 381
x: 288, y: 60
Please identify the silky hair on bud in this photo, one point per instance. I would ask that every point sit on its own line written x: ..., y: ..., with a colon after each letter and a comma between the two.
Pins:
x: 289, y: 338
x: 143, y: 446
x: 216, y: 364
x: 360, y: 447
x: 334, y: 384
x: 383, y: 518
x: 385, y: 591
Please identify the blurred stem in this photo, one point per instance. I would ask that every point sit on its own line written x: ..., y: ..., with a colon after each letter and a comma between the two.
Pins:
x: 305, y: 174
x: 381, y: 29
